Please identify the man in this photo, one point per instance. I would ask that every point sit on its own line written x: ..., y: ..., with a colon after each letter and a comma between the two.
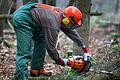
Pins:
x: 38, y: 25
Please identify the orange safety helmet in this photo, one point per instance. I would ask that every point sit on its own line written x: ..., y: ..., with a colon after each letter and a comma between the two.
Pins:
x: 73, y: 14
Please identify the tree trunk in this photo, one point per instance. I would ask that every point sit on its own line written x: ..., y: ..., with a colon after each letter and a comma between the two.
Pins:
x: 4, y: 7
x: 1, y: 28
x: 51, y: 2
x: 84, y: 6
x: 26, y: 1
x: 116, y: 6
x: 71, y: 2
x: 19, y: 3
x: 44, y: 1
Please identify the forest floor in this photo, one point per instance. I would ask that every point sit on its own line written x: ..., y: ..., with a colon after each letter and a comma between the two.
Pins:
x: 106, y: 65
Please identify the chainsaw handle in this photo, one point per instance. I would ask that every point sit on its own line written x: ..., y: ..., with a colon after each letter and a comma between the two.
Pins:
x: 87, y: 66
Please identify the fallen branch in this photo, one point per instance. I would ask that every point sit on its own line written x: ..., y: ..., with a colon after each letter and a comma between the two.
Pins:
x: 101, y: 72
x: 2, y: 16
x: 95, y: 14
x: 8, y: 21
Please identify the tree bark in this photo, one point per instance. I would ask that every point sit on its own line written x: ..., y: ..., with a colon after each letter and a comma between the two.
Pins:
x: 51, y: 2
x: 71, y: 2
x: 44, y: 1
x: 26, y: 1
x: 1, y: 29
x: 3, y: 10
x: 19, y: 3
x: 116, y: 6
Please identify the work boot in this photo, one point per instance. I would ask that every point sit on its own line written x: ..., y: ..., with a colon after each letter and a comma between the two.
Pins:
x: 37, y: 73
x: 34, y: 73
x: 45, y: 72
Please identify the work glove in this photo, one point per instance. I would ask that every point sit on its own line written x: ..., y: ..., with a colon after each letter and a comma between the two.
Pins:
x: 87, y: 54
x: 62, y: 62
x: 86, y: 58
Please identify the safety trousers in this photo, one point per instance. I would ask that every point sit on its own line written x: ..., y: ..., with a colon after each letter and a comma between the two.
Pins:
x: 30, y: 45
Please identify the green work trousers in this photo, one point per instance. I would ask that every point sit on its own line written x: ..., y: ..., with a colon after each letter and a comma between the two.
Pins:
x: 30, y: 42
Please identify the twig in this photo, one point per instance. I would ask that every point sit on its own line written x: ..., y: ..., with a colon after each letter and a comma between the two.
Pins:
x: 102, y: 71
x: 8, y: 21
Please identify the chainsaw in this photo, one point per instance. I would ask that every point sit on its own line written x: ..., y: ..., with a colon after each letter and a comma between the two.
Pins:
x: 77, y: 63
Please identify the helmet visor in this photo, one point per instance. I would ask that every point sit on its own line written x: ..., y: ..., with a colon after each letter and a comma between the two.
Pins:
x: 75, y: 22
x: 79, y: 22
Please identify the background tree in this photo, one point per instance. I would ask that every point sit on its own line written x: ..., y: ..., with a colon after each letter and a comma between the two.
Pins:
x: 44, y: 1
x: 51, y: 2
x: 25, y: 1
x: 18, y: 3
x: 1, y: 27
x: 84, y: 6
x: 4, y: 8
x: 116, y: 6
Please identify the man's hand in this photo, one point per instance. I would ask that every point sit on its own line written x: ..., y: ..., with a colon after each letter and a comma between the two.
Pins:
x: 87, y: 53
x: 86, y: 56
x: 62, y: 62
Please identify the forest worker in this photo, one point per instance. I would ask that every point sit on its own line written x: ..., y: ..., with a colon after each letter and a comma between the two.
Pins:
x: 38, y: 25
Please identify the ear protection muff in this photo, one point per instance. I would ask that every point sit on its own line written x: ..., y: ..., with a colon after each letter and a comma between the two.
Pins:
x: 66, y: 21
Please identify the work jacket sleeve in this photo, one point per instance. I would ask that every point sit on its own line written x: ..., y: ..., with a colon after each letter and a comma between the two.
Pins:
x: 72, y: 34
x: 51, y: 39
